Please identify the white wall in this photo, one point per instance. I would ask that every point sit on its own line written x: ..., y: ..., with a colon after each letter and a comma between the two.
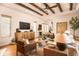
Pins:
x: 65, y: 17
x: 16, y: 17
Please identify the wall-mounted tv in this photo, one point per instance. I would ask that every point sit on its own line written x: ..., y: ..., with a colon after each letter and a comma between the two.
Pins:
x: 24, y: 25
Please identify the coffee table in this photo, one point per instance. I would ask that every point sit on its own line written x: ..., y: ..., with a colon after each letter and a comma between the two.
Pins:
x: 53, y: 52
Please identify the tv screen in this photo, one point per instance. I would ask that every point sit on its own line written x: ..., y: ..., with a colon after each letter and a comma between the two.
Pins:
x: 24, y: 25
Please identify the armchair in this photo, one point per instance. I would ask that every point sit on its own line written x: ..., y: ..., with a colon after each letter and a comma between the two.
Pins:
x: 21, y: 43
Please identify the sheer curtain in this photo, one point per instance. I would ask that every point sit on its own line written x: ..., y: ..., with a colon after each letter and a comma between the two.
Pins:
x: 45, y: 28
x: 35, y: 28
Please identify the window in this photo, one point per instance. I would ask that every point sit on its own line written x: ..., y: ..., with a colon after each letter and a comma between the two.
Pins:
x: 35, y: 26
x: 45, y: 28
x: 5, y: 26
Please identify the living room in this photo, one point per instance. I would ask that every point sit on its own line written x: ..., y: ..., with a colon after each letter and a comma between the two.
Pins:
x: 28, y: 21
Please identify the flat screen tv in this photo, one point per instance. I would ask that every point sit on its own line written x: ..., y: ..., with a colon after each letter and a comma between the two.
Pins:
x: 24, y: 25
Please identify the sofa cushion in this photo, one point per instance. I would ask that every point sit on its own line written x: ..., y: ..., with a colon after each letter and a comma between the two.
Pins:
x: 19, y: 36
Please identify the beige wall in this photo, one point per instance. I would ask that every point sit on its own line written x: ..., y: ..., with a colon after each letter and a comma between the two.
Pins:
x: 16, y: 17
x: 64, y: 17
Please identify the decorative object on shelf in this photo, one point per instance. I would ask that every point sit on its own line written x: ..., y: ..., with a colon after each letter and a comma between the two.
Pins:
x: 18, y: 30
x: 31, y: 30
x: 74, y: 22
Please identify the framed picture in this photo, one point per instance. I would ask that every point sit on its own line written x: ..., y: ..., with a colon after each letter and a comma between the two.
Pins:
x: 61, y: 27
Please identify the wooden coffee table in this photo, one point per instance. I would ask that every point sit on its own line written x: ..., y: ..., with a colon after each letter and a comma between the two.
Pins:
x: 53, y: 52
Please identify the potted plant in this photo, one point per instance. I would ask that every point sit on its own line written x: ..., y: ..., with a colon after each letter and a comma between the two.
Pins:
x: 74, y: 22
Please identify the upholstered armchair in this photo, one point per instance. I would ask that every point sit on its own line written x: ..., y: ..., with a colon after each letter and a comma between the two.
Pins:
x: 23, y: 46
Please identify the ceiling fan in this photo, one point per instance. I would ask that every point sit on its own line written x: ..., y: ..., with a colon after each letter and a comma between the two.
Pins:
x: 46, y: 7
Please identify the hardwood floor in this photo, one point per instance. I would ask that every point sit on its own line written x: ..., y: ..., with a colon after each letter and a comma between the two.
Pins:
x: 9, y: 50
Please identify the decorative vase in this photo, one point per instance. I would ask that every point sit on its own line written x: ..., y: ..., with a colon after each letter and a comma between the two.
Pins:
x: 61, y: 46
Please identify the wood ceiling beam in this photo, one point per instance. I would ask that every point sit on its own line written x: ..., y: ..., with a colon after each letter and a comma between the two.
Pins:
x: 59, y: 6
x: 71, y: 6
x: 48, y: 7
x: 38, y: 8
x: 24, y: 6
x: 53, y: 6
